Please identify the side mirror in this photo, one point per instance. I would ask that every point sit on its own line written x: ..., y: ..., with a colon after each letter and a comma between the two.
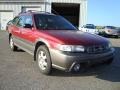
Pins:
x: 28, y: 26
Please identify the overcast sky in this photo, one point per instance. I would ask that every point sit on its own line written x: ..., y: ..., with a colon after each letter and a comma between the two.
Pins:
x: 104, y: 12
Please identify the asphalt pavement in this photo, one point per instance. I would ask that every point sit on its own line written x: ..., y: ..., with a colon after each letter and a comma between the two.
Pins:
x: 18, y: 71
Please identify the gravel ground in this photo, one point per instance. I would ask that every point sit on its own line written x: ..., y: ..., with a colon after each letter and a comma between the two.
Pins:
x: 18, y: 71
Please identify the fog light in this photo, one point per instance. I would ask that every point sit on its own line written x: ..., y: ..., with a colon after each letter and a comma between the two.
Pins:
x: 76, y: 67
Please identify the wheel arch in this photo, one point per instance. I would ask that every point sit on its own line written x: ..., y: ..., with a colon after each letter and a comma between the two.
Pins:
x: 38, y: 44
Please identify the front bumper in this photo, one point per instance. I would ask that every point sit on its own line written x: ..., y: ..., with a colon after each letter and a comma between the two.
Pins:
x: 65, y: 61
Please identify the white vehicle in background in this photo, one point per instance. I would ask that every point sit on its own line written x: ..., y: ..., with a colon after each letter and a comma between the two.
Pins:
x: 111, y: 31
x: 90, y: 28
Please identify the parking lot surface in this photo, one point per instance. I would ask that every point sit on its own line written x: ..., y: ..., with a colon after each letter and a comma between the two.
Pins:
x: 18, y: 71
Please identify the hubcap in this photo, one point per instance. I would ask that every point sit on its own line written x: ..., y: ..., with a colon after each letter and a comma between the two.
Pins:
x: 42, y: 60
x: 76, y: 67
x: 11, y: 43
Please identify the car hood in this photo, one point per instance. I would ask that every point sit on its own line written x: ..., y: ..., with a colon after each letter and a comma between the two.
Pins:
x: 75, y: 37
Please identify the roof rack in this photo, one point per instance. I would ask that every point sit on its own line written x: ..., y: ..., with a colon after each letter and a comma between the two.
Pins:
x: 32, y: 11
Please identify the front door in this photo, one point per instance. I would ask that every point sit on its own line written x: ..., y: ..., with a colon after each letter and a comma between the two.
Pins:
x: 26, y: 33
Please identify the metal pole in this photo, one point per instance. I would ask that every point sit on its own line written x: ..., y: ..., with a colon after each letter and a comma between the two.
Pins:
x: 45, y: 5
x: 0, y: 22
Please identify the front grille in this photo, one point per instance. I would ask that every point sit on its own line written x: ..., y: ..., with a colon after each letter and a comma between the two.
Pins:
x: 97, y: 49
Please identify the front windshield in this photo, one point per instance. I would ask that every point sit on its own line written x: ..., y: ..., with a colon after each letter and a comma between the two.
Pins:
x: 52, y: 22
x: 110, y: 27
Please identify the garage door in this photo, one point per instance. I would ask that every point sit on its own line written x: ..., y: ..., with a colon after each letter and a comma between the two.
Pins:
x: 69, y: 11
x: 4, y: 18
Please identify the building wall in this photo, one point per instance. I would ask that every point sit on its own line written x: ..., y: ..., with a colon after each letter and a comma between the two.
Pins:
x: 83, y: 13
x: 68, y: 1
x: 83, y: 9
x: 16, y: 6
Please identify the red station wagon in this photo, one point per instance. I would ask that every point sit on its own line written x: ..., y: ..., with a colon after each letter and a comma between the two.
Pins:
x: 56, y: 43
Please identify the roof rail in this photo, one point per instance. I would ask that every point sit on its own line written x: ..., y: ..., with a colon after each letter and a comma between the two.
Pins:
x: 31, y: 11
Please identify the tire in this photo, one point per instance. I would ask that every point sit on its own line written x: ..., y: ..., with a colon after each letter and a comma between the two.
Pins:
x: 44, y: 60
x: 12, y: 46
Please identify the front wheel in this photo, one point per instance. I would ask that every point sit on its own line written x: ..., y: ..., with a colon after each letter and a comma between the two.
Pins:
x: 12, y: 46
x: 44, y: 60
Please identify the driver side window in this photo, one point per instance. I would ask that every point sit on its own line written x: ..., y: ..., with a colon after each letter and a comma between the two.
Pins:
x: 25, y: 20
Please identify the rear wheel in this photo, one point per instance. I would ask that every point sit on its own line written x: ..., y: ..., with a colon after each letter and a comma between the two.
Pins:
x: 44, y: 60
x: 12, y: 46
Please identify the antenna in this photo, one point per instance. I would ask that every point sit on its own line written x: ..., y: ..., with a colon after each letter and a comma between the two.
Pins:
x: 32, y: 11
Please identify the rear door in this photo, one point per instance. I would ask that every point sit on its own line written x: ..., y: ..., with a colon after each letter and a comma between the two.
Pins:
x: 14, y: 29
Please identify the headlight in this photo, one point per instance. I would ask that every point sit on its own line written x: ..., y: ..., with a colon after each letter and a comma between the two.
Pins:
x: 71, y: 48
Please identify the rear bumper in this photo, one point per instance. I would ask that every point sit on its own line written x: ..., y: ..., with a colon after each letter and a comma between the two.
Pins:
x: 65, y: 61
